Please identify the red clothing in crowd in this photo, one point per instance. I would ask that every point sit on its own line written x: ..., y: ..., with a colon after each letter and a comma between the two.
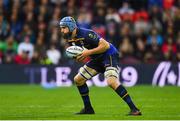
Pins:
x: 20, y: 60
x: 167, y: 4
x: 141, y: 14
x: 166, y: 47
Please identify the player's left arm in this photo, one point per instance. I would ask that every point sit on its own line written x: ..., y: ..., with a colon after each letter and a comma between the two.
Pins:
x: 103, y: 45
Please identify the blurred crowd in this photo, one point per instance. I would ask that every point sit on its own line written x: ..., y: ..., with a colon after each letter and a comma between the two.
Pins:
x: 144, y: 31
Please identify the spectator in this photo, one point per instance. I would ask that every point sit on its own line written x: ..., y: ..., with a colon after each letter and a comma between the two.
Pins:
x: 169, y: 49
x: 112, y: 34
x: 154, y: 37
x: 112, y: 15
x: 35, y: 58
x: 126, y: 12
x: 53, y: 22
x: 141, y: 25
x: 27, y: 31
x: 4, y: 27
x: 26, y: 48
x: 155, y: 18
x: 71, y: 8
x: 9, y: 45
x: 44, y: 60
x: 155, y: 13
x: 30, y: 22
x: 140, y: 49
x: 9, y: 57
x: 15, y: 23
x: 167, y: 4
x: 126, y: 9
x: 153, y: 53
x: 40, y: 46
x: 84, y: 18
x: 141, y: 14
x: 126, y: 48
x: 99, y: 16
x: 53, y: 54
x: 22, y: 58
x: 9, y: 49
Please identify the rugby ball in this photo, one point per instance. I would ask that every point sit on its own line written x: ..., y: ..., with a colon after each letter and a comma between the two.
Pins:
x: 73, y: 51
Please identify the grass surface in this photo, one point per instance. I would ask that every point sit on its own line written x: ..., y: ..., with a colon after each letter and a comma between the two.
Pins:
x: 35, y: 102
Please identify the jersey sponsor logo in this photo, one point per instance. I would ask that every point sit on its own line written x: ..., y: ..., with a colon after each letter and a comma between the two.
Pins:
x: 92, y: 35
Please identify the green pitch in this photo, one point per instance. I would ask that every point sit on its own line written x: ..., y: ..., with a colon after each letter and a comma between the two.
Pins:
x: 35, y: 102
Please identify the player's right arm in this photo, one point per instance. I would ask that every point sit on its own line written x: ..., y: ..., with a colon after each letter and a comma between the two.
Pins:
x: 103, y: 45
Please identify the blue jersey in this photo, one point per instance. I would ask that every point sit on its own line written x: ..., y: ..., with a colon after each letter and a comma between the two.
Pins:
x: 90, y: 39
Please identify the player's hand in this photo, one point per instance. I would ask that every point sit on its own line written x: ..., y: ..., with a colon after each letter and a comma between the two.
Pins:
x: 83, y: 55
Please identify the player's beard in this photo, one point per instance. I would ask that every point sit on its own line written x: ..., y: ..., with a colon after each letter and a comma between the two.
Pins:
x: 67, y: 35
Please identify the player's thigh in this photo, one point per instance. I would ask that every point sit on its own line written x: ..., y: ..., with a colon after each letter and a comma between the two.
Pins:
x: 85, y: 73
